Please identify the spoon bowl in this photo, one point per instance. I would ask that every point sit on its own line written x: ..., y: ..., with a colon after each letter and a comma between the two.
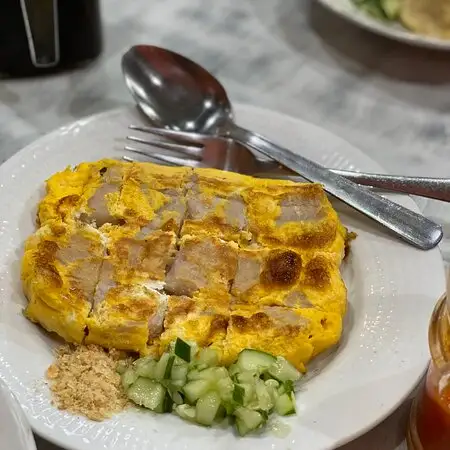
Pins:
x: 175, y: 92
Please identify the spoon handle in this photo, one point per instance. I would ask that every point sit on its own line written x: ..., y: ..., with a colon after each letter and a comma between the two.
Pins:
x: 435, y: 188
x: 410, y: 226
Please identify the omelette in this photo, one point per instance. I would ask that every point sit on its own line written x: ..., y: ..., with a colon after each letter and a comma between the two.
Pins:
x: 133, y: 255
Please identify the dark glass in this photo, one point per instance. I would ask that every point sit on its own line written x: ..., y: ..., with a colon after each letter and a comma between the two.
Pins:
x: 34, y: 39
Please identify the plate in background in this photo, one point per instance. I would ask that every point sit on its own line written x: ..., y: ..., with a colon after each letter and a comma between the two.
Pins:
x: 393, y: 30
x: 383, y: 353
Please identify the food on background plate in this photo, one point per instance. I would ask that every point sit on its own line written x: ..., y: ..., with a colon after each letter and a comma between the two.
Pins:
x: 425, y: 17
x: 133, y: 256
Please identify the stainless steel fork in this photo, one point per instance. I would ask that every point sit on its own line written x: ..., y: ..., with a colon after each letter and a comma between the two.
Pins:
x: 198, y: 150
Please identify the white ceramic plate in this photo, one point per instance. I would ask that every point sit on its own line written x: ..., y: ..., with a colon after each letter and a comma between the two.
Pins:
x: 393, y: 30
x: 15, y: 433
x: 383, y: 353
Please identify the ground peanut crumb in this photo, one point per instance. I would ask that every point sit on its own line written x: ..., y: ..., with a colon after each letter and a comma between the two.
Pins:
x: 83, y: 380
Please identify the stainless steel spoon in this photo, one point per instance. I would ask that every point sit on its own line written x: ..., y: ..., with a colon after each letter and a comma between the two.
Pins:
x: 176, y: 93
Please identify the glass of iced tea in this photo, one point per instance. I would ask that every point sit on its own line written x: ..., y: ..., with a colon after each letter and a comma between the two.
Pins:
x: 429, y: 427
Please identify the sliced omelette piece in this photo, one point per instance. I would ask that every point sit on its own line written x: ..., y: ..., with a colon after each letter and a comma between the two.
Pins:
x: 128, y: 307
x: 284, y: 277
x: 153, y: 197
x: 295, y: 334
x: 126, y: 318
x: 294, y: 215
x: 64, y: 192
x: 202, y: 263
x: 139, y: 260
x: 202, y: 319
x: 215, y: 205
x: 102, y: 193
x: 60, y: 270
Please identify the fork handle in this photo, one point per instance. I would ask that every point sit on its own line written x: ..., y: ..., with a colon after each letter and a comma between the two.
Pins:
x: 414, y: 228
x: 435, y: 188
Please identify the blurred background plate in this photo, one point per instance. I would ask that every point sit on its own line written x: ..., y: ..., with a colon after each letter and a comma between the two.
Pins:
x: 393, y: 30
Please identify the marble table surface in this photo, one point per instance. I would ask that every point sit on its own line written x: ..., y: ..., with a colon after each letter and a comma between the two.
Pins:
x: 390, y: 100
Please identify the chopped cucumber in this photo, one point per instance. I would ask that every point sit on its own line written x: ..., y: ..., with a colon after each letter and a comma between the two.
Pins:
x: 190, y: 382
x: 165, y: 362
x: 239, y: 394
x: 246, y: 377
x: 263, y: 396
x: 195, y: 389
x: 208, y: 356
x: 128, y: 378
x: 207, y: 407
x: 182, y: 350
x: 283, y: 370
x: 179, y: 373
x: 186, y: 412
x: 122, y: 366
x: 176, y: 397
x: 247, y: 420
x: 254, y: 360
x: 150, y: 394
x: 147, y: 370
x: 285, y: 404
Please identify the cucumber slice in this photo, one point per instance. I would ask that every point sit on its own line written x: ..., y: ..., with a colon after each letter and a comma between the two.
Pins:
x: 128, y: 378
x: 179, y: 373
x: 182, y: 350
x: 168, y: 371
x: 391, y: 8
x: 248, y: 393
x: 254, y: 360
x: 246, y: 377
x: 285, y: 404
x: 195, y: 389
x: 207, y: 407
x: 186, y: 412
x: 283, y: 370
x: 150, y: 394
x: 263, y: 397
x: 176, y: 397
x: 161, y: 366
x: 239, y: 394
x: 272, y: 389
x: 247, y: 420
x: 147, y: 370
x: 211, y: 373
x: 233, y: 370
x: 225, y: 387
x: 208, y: 356
x: 122, y: 366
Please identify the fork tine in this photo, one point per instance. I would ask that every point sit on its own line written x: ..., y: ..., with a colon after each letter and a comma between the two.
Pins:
x: 189, y: 150
x: 181, y: 136
x: 173, y: 160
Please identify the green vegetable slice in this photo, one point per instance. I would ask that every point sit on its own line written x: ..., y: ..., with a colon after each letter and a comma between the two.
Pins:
x: 182, y: 350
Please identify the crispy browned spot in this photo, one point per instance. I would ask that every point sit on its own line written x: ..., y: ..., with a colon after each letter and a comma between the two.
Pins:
x: 178, y: 306
x: 219, y: 323
x: 317, y: 273
x: 45, y: 257
x: 67, y: 203
x: 282, y: 268
x: 263, y: 322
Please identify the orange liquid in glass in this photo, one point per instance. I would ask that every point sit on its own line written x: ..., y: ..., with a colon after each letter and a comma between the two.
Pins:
x: 433, y: 415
